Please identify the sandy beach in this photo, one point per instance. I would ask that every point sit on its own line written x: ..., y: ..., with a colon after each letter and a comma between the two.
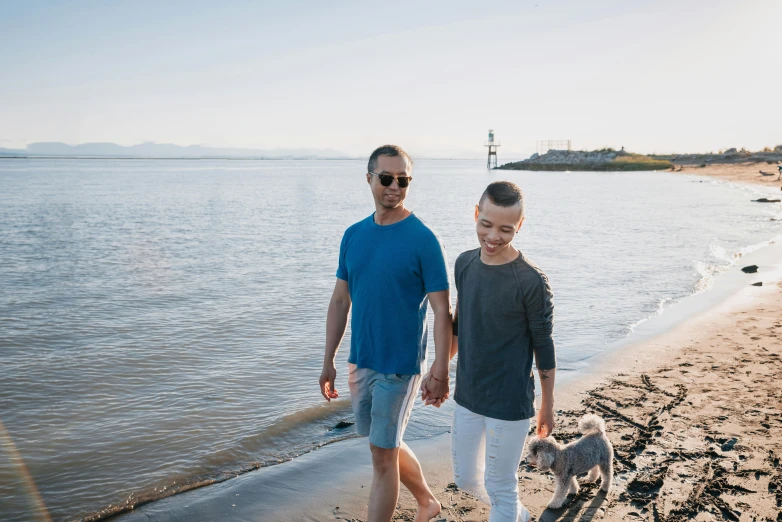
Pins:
x: 738, y: 172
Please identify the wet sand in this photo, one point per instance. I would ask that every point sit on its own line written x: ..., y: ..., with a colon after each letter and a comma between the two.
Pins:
x: 694, y: 415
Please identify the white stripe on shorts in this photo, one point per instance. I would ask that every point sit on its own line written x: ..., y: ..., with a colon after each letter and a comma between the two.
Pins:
x: 404, y: 412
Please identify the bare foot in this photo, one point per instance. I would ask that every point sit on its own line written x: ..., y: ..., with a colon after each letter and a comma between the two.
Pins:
x: 428, y: 511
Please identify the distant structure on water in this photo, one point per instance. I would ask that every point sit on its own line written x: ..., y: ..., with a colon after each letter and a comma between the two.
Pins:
x: 544, y: 146
x: 491, y: 161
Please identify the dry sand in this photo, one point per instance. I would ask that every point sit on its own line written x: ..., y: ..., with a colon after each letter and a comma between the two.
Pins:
x: 741, y: 172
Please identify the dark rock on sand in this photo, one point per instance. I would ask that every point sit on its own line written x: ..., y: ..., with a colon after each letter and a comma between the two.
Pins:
x: 751, y: 269
x: 766, y: 200
x: 759, y: 283
x: 341, y: 425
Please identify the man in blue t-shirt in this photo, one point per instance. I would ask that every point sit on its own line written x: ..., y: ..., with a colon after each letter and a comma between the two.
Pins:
x: 391, y: 265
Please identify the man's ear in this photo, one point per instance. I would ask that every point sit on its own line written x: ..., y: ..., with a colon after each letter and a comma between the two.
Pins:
x: 369, y: 178
x: 477, y: 211
x: 520, y: 223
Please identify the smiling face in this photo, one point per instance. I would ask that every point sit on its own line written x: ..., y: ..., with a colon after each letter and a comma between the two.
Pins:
x: 496, y: 227
x: 392, y: 196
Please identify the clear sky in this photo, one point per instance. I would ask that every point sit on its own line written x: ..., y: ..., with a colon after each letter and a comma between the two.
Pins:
x: 432, y: 76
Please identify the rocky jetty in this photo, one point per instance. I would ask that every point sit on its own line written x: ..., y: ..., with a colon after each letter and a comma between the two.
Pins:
x: 596, y: 160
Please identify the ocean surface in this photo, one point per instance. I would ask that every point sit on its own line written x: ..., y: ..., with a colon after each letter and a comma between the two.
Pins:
x: 162, y: 322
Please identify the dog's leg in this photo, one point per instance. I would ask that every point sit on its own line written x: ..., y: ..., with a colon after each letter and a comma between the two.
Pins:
x: 560, y: 493
x: 572, y: 486
x: 607, y: 476
x: 593, y: 474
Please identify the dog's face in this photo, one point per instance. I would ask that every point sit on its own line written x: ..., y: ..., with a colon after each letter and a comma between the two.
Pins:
x: 542, y: 452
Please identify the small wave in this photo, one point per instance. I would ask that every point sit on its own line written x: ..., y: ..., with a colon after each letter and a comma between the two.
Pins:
x: 660, y: 309
x: 758, y: 246
x: 708, y: 271
x: 159, y: 493
x: 291, y: 423
x: 707, y: 274
x: 314, y: 415
x: 719, y: 252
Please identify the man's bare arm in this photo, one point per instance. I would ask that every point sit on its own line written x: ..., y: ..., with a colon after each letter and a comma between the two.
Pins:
x: 336, y: 323
x: 436, y: 387
x: 545, y: 424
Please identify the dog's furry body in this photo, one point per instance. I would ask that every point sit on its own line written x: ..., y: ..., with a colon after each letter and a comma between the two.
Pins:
x: 593, y: 453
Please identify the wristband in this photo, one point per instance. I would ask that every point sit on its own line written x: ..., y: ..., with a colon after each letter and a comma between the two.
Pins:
x: 436, y: 379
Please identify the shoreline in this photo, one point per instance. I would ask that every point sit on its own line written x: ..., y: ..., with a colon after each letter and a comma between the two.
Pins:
x: 673, y: 436
x: 735, y: 172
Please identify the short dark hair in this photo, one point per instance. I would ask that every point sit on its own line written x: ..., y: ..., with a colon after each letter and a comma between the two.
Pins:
x: 504, y: 194
x: 387, y: 150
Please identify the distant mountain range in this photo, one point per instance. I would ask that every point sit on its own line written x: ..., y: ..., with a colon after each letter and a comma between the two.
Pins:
x: 164, y: 150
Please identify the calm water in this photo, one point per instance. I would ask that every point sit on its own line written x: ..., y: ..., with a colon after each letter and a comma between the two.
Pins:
x: 162, y: 322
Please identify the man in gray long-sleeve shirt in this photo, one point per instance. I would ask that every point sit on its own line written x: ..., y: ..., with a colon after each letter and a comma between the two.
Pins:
x: 504, y: 316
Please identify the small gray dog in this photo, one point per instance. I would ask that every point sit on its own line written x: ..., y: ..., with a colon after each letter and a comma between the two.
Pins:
x: 593, y: 453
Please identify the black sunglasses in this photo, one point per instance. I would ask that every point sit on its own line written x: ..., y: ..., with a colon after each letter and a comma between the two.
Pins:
x: 387, y: 179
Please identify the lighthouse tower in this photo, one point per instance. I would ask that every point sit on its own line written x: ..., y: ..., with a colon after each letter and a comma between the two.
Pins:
x: 491, y: 161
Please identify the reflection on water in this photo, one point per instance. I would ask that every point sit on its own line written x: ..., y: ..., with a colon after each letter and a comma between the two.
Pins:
x: 162, y: 322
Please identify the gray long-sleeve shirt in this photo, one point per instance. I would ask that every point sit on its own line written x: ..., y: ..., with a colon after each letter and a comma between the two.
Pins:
x: 505, y: 314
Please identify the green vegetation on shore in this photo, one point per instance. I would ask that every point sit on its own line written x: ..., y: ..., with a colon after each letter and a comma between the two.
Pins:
x: 597, y: 160
x: 640, y: 162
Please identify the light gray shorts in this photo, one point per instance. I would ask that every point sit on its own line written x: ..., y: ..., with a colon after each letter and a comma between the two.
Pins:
x: 381, y: 404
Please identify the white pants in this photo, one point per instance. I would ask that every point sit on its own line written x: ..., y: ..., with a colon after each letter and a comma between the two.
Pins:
x: 486, y: 455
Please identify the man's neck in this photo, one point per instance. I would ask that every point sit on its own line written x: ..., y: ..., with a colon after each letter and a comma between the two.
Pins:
x: 510, y: 255
x: 388, y: 216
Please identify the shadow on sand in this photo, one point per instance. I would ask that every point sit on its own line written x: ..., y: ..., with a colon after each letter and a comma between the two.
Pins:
x: 578, y: 509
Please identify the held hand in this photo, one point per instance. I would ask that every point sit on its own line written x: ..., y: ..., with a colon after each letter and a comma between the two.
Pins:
x: 435, y: 391
x: 425, y: 395
x: 424, y: 391
x: 327, y: 377
x: 545, y: 423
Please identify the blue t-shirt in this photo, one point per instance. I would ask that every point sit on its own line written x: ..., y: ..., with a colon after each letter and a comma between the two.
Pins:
x: 390, y: 270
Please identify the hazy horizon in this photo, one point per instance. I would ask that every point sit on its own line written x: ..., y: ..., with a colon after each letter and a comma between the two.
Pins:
x: 151, y: 150
x: 654, y: 77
